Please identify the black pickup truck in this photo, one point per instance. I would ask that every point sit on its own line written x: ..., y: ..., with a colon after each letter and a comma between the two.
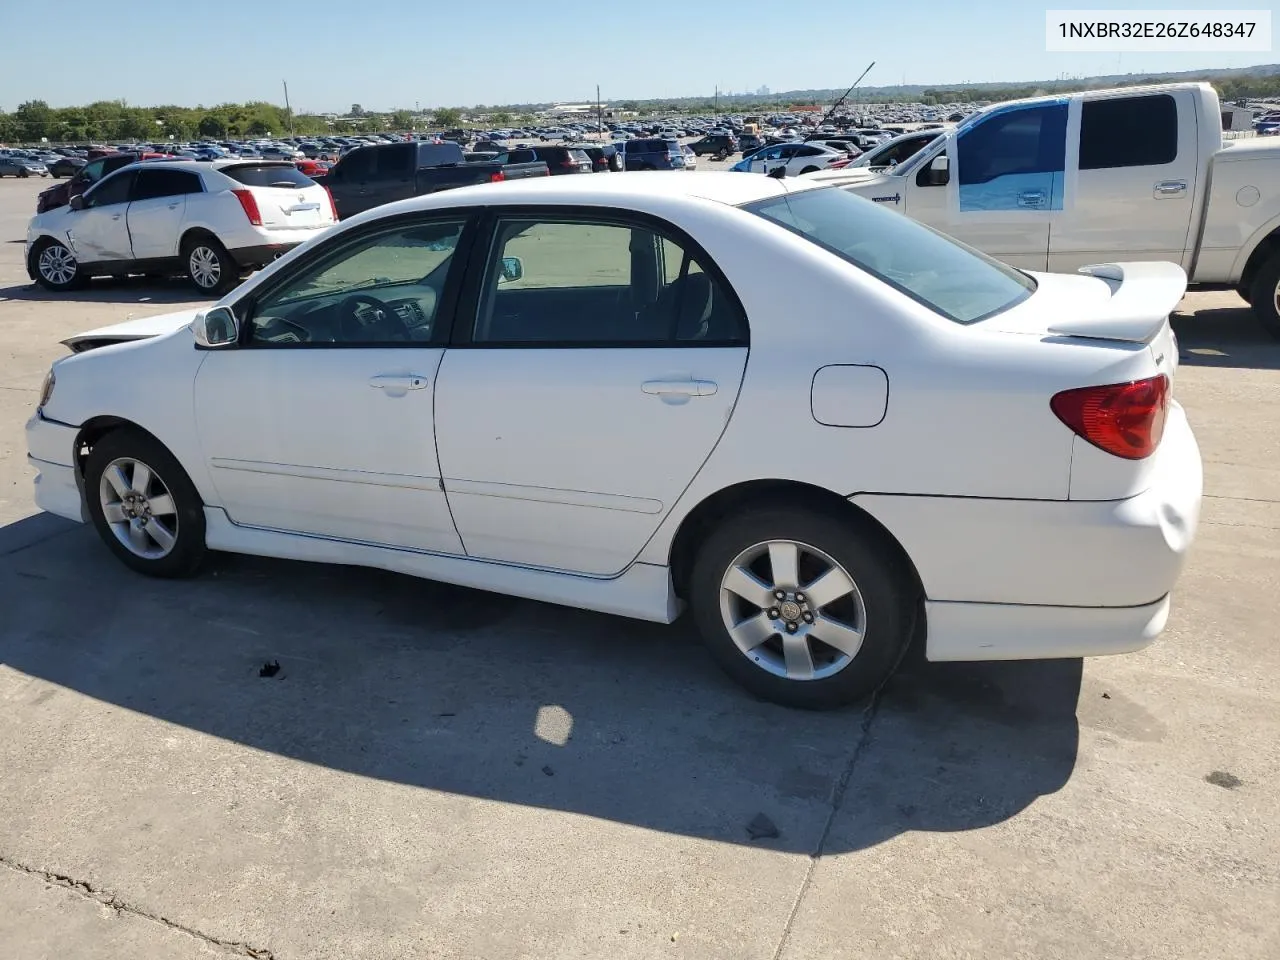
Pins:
x: 371, y: 176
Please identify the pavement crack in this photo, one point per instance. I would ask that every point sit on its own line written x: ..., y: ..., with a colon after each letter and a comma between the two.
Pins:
x: 113, y: 902
x: 869, y: 715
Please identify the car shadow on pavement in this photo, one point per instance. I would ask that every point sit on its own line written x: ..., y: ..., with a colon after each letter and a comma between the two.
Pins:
x: 457, y: 690
x: 1225, y: 337
x: 141, y: 290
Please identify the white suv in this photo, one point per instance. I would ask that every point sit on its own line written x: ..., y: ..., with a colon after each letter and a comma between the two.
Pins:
x: 214, y: 221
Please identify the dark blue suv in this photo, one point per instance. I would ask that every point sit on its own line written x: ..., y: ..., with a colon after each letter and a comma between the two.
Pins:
x: 652, y: 154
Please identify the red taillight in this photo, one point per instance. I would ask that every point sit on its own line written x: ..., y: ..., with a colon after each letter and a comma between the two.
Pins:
x: 497, y: 176
x: 1125, y: 419
x: 333, y: 207
x: 250, y: 206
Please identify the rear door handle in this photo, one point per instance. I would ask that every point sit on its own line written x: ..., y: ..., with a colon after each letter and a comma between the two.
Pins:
x: 398, y: 384
x: 1032, y: 198
x: 680, y: 388
x: 1171, y: 188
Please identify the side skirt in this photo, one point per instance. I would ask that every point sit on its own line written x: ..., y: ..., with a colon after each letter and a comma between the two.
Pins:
x: 643, y: 591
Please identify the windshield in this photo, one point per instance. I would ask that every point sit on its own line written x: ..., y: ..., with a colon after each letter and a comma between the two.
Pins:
x: 954, y: 280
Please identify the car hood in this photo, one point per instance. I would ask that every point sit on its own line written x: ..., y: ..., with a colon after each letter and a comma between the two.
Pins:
x: 139, y: 329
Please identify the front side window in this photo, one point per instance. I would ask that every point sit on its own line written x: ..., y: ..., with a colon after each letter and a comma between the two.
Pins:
x: 579, y: 283
x: 92, y: 172
x: 111, y: 190
x: 384, y: 288
x: 1128, y: 132
x: 1014, y: 160
x: 952, y: 279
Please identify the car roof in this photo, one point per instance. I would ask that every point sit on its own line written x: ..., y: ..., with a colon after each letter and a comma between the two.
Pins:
x: 629, y: 190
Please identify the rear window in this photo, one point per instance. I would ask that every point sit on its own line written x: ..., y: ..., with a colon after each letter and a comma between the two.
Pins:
x: 952, y: 279
x: 579, y: 155
x: 268, y: 175
x: 647, y: 146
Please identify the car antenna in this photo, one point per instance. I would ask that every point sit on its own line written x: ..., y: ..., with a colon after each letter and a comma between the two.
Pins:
x: 836, y: 106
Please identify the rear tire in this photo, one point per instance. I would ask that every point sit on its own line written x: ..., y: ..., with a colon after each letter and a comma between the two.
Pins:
x: 209, y: 266
x: 55, y: 266
x: 23, y: 174
x: 849, y: 633
x: 1264, y: 296
x: 131, y: 473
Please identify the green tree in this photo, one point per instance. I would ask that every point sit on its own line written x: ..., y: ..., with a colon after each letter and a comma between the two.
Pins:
x: 212, y: 125
x: 356, y: 110
x: 448, y: 117
x: 502, y: 119
x: 401, y: 120
x: 35, y: 120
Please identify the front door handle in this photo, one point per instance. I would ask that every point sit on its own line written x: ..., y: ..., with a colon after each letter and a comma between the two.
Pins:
x: 398, y: 384
x: 1170, y: 188
x: 680, y: 388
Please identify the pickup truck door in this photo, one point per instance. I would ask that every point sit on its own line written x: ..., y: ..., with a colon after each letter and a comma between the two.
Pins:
x: 352, y: 180
x: 394, y: 174
x: 1131, y: 180
x: 1005, y: 181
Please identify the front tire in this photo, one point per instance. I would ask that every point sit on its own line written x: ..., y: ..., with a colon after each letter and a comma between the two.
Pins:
x: 803, y: 608
x: 55, y: 267
x: 1264, y: 296
x: 809, y: 170
x: 143, y: 505
x: 23, y: 174
x: 209, y: 266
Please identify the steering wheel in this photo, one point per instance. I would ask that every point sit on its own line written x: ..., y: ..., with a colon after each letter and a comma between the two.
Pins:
x: 362, y: 318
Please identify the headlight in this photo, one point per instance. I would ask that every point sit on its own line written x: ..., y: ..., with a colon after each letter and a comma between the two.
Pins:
x: 46, y: 388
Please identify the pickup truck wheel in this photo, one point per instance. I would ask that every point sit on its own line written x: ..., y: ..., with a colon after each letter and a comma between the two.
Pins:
x: 1264, y: 296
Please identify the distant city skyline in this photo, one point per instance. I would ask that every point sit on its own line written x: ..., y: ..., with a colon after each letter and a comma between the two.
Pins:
x: 385, y: 55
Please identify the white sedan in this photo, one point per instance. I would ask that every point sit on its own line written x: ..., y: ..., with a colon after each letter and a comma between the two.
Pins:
x: 816, y: 423
x: 794, y: 158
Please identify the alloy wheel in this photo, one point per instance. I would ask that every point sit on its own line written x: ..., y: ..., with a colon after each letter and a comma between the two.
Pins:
x: 139, y: 508
x: 205, y: 267
x: 56, y: 264
x: 792, y: 610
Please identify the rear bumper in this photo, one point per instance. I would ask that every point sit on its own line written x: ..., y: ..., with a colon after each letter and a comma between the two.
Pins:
x: 50, y: 449
x: 1006, y: 631
x: 1007, y: 579
x: 260, y: 247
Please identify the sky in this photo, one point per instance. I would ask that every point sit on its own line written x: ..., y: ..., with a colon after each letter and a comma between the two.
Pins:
x: 384, y: 54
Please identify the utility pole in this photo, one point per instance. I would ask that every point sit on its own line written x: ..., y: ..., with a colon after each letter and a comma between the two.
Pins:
x: 599, y: 114
x: 287, y: 109
x: 717, y: 120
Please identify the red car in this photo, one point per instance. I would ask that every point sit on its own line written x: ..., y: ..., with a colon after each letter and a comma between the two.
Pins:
x: 314, y: 168
x: 60, y: 194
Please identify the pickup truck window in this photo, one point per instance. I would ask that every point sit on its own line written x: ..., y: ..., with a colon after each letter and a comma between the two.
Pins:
x: 951, y: 279
x: 399, y: 160
x: 1128, y: 132
x: 359, y: 164
x: 1014, y: 160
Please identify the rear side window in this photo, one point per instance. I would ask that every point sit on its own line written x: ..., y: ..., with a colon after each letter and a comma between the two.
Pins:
x: 268, y: 175
x: 1128, y: 132
x: 165, y: 183
x: 648, y: 146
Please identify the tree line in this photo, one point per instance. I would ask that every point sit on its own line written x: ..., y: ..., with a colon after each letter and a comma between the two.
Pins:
x: 108, y: 121
x: 115, y: 120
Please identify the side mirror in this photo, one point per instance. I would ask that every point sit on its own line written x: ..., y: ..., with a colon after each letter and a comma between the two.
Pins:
x: 937, y: 173
x: 77, y: 202
x: 216, y: 328
x: 512, y: 270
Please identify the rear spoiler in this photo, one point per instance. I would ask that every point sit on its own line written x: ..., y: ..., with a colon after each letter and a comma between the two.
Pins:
x: 1143, y: 294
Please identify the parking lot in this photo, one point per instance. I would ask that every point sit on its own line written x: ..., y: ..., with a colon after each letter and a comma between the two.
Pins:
x: 438, y: 772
